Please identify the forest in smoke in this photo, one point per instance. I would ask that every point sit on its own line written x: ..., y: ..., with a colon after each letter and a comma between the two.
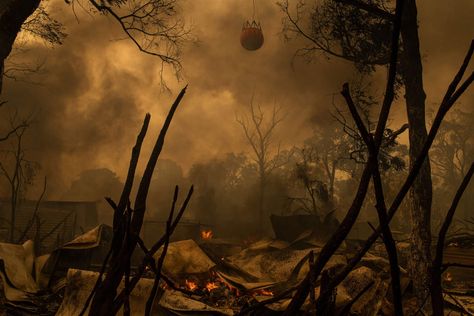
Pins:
x: 227, y: 187
x: 236, y: 157
x: 85, y: 158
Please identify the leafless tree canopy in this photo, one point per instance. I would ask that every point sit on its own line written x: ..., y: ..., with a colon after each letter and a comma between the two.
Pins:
x: 154, y: 26
x: 16, y: 169
x: 259, y: 132
x: 42, y: 25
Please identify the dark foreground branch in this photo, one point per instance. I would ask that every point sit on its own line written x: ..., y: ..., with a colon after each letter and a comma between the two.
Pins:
x: 151, y: 298
x: 344, y: 228
x: 436, y: 288
x: 451, y: 96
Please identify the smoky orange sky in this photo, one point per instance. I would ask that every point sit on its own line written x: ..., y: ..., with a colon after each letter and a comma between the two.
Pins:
x: 97, y: 88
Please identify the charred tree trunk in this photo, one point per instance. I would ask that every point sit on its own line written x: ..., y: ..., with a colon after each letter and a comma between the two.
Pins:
x: 13, y: 13
x: 105, y: 296
x: 421, y: 192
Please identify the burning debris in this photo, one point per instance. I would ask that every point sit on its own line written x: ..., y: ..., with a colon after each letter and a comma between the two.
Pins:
x: 191, y: 285
x: 262, y: 276
x: 447, y: 277
x: 206, y: 234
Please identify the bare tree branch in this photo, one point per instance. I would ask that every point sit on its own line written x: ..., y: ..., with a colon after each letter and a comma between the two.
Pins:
x: 444, y: 108
x: 338, y: 237
x: 151, y: 298
x: 151, y: 25
x: 436, y: 287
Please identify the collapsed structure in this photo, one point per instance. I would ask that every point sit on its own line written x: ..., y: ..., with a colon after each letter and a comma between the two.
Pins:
x: 211, y: 276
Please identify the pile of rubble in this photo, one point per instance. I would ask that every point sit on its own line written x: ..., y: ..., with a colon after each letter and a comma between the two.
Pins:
x: 208, y: 277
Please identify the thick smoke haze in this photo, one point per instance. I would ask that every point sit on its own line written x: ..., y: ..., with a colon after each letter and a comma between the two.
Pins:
x: 90, y: 103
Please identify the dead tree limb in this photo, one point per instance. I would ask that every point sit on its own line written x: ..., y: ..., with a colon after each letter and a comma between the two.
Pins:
x: 103, y: 300
x: 151, y: 298
x: 389, y: 242
x: 13, y: 131
x: 339, y: 236
x: 118, y: 301
x: 126, y: 305
x: 436, y: 287
x: 326, y: 304
x: 119, y: 209
x: 381, y: 207
x: 452, y: 95
x: 312, y: 281
x: 145, y: 26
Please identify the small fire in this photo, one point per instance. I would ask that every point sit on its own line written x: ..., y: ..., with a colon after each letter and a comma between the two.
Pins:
x: 211, y: 286
x: 191, y: 285
x: 448, y: 277
x: 206, y: 234
x: 264, y: 292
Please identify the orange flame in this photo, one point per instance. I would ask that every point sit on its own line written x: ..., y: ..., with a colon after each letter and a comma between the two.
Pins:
x: 448, y: 277
x: 211, y: 286
x: 264, y: 292
x: 191, y: 285
x: 206, y: 234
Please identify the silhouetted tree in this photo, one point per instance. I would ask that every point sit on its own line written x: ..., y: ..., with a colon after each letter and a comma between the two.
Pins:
x: 318, y: 195
x: 16, y: 169
x: 452, y: 152
x: 167, y: 171
x: 219, y: 186
x: 93, y: 185
x: 359, y: 31
x: 153, y: 26
x: 259, y: 132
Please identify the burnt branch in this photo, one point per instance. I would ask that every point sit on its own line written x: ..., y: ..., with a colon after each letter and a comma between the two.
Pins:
x: 104, y: 298
x: 119, y: 210
x: 380, y: 206
x: 343, y: 230
x: 312, y: 280
x: 151, y: 25
x: 14, y: 131
x: 452, y: 95
x: 151, y: 298
x: 118, y: 302
x: 326, y: 303
x: 436, y: 287
x: 389, y: 242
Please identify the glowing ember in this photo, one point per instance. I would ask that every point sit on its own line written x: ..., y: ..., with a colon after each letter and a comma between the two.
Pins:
x: 211, y: 286
x: 206, y: 234
x: 264, y: 292
x: 448, y: 277
x: 190, y: 285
